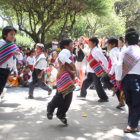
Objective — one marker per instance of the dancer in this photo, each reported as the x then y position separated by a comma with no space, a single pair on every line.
40,65
8,53
65,84
95,70
128,72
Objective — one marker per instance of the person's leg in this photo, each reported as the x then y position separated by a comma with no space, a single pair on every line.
86,83
131,87
81,76
54,103
99,88
32,84
106,81
4,74
64,106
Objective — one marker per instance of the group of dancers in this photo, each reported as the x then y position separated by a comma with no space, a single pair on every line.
120,73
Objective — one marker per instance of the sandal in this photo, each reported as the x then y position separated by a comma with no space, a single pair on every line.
131,130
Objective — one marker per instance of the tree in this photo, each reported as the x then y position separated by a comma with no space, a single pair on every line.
37,17
130,11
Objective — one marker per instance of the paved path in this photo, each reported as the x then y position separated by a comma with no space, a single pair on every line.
23,119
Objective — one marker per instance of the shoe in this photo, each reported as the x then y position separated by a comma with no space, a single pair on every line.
81,97
103,100
49,116
50,91
120,105
30,97
63,120
131,130
77,88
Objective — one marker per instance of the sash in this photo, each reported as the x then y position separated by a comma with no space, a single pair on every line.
38,58
129,61
6,51
96,66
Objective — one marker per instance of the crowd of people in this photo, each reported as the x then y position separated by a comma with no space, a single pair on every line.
108,63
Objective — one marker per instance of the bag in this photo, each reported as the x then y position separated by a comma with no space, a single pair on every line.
80,56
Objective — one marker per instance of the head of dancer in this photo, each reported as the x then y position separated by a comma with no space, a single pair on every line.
131,38
39,47
8,33
112,43
66,44
93,42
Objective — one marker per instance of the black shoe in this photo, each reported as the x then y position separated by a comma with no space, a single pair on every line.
63,120
50,91
30,97
49,116
103,100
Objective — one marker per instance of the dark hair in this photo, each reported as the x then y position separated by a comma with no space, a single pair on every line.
113,40
132,38
121,39
65,42
94,40
51,64
130,30
6,30
27,67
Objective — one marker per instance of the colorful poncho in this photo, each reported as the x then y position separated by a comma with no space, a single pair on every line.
6,51
96,66
129,61
38,58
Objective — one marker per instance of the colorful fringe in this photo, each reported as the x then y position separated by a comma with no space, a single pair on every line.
6,52
96,66
129,61
65,84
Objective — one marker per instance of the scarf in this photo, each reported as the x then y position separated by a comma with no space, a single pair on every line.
129,61
96,66
38,58
6,51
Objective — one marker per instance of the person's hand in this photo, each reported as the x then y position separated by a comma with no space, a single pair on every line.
39,76
110,75
16,53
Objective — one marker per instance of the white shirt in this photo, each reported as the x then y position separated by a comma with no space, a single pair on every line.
136,69
30,60
54,47
64,56
89,69
99,56
54,72
114,56
42,65
10,63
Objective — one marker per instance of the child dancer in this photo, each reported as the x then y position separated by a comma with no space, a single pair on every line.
97,67
113,61
65,84
8,53
40,65
128,72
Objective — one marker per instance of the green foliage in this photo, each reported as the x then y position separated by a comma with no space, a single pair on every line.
24,41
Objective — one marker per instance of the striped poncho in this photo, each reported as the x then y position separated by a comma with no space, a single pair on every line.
96,66
129,61
6,51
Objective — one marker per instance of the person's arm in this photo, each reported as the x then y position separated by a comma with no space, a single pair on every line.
118,70
114,62
18,55
99,54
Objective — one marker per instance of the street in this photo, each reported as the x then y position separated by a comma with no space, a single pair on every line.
24,119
